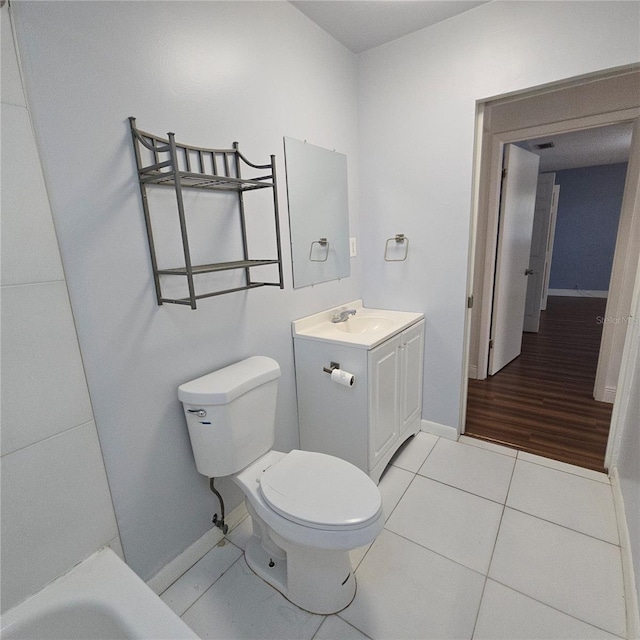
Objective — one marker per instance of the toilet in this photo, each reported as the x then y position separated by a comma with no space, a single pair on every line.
308,509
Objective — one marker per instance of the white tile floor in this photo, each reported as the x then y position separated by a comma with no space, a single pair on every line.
479,542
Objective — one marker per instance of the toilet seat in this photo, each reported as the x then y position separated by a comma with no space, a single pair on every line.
320,491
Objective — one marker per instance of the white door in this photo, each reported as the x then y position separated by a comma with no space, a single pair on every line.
552,234
517,203
538,254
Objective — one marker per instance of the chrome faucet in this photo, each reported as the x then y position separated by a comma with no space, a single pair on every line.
343,315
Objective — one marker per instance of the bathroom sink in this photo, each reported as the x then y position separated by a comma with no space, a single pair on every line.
366,328
364,324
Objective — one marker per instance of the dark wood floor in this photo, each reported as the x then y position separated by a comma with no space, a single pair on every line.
542,402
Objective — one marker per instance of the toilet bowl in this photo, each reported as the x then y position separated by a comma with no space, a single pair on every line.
313,499
295,508
308,509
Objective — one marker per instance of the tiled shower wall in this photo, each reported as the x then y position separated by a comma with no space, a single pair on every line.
56,505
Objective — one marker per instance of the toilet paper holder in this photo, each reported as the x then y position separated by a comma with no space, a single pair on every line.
332,367
343,378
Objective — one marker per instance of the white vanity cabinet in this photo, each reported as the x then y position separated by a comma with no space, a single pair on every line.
367,422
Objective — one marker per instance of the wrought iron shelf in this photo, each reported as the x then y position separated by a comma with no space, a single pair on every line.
219,266
187,301
163,162
204,181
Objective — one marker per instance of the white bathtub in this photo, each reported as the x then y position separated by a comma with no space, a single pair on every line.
101,598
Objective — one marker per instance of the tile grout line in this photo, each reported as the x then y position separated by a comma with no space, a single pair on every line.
553,461
495,544
563,526
555,468
491,449
546,604
452,486
504,508
7,285
521,510
475,622
50,437
353,626
533,515
240,557
395,506
415,473
437,553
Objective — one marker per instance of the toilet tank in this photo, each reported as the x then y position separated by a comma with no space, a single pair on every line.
231,415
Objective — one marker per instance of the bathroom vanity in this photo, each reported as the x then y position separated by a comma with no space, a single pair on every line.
363,423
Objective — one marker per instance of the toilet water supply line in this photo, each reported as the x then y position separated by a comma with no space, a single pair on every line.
218,522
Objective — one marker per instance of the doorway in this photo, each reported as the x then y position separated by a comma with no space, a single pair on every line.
522,117
543,401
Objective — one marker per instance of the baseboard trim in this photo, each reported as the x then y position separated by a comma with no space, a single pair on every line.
609,395
183,562
630,591
578,293
442,430
473,371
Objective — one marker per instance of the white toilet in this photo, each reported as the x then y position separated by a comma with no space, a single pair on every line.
308,509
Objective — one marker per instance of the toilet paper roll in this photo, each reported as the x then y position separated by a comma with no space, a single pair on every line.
342,377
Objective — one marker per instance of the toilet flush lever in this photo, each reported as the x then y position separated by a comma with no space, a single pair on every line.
201,413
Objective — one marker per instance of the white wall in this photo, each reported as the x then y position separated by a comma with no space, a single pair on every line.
417,100
56,506
212,73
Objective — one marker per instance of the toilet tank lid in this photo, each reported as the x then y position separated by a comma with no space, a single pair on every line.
227,384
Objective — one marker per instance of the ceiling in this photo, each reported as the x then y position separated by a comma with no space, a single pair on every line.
587,148
362,24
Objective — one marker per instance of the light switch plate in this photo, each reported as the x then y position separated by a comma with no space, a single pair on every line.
353,251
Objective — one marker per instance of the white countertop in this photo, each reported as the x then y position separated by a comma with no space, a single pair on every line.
368,328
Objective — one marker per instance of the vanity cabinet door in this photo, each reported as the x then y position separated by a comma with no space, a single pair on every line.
384,397
412,349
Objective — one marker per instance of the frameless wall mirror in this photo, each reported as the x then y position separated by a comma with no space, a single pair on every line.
318,212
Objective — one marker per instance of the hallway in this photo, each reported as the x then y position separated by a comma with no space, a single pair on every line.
542,402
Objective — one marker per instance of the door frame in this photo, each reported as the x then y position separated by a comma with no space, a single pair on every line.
488,152
498,143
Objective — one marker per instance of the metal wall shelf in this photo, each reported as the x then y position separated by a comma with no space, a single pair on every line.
163,162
